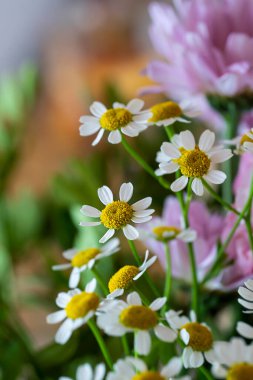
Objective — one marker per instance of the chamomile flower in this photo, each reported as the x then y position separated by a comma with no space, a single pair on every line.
82,259
234,360
243,143
193,161
169,112
125,276
77,308
128,119
136,369
117,318
85,372
196,336
119,214
246,293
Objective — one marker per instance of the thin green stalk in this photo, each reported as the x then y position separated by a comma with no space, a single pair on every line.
206,373
169,131
250,232
100,281
143,164
168,279
225,204
145,275
125,345
101,343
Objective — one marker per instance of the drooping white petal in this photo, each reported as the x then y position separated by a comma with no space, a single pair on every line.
99,372
97,109
64,332
84,372
107,236
135,105
74,278
116,293
142,342
130,232
128,130
206,140
105,195
56,317
114,137
186,356
215,176
188,140
142,204
170,150
165,334
179,184
90,211
211,356
134,299
221,156
197,187
172,368
196,359
99,137
91,286
126,191
158,303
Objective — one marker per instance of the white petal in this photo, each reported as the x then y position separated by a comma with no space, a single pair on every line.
143,213
187,236
62,299
99,372
206,140
69,253
179,184
249,284
64,332
210,356
245,330
219,371
61,266
91,286
56,317
90,211
142,117
107,236
245,293
170,167
135,105
142,342
170,150
116,293
165,334
126,191
185,336
98,109
187,140
196,359
141,219
186,356
114,137
89,224
215,176
221,156
158,303
118,105
197,187
172,368
99,137
105,195
134,299
130,232
74,278
84,372
130,131
142,204
89,129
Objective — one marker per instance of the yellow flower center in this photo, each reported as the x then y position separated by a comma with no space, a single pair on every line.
115,119
201,338
148,375
83,257
166,232
81,304
163,111
240,371
246,138
123,277
138,317
193,163
116,215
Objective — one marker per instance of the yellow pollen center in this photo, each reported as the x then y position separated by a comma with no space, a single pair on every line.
166,232
138,317
81,304
201,338
115,119
148,375
163,111
116,215
246,138
123,277
193,163
83,257
240,371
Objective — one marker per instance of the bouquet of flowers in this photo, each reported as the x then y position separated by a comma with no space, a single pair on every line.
169,328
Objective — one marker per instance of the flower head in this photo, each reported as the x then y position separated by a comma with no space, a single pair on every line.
117,318
85,372
83,259
193,161
119,214
136,369
77,308
125,276
244,143
128,119
233,360
196,336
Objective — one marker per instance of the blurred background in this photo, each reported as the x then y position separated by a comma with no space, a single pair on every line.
56,57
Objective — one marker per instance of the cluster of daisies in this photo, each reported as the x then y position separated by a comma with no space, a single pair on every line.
122,310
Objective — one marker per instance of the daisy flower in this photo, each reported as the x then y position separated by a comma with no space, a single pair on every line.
243,143
196,336
127,119
77,308
125,276
119,214
246,293
169,112
136,369
80,260
193,161
117,318
85,372
234,360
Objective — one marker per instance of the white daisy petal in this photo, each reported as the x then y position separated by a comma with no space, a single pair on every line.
142,204
141,219
134,299
165,334
130,131
99,137
64,332
197,187
89,224
135,105
105,195
74,278
69,253
185,336
170,167
143,213
100,371
61,266
245,330
158,303
130,232
215,176
114,137
91,286
245,293
219,371
186,356
249,284
170,150
142,342
172,368
126,192
179,184
84,372
62,299
206,140
187,235
107,236
142,117
187,140
98,109
118,105
56,317
196,359
90,211
89,129
221,156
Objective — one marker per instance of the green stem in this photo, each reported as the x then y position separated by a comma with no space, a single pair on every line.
169,132
168,279
143,163
101,343
125,345
225,204
145,275
206,373
100,281
250,233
